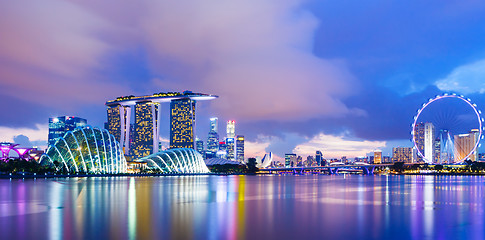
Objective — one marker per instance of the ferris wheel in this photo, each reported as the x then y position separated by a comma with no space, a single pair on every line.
447,129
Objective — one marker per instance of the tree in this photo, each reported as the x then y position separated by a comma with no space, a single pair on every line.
438,167
252,165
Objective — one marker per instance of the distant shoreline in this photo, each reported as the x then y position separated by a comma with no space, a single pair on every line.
31,176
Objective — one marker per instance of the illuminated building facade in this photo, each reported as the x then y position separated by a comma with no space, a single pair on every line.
182,123
119,125
179,160
86,150
464,144
143,138
213,137
60,125
230,149
199,146
290,160
145,135
319,158
402,154
377,157
231,129
240,148
419,139
429,141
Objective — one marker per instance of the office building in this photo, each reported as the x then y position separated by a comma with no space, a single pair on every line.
213,137
182,123
377,157
240,148
230,145
231,129
402,154
290,160
199,146
318,157
464,144
119,125
145,135
59,126
429,142
419,139
143,138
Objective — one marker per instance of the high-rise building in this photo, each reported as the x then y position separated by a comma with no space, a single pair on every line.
377,157
290,160
119,125
213,124
231,129
145,135
402,154
419,139
199,146
429,141
58,126
437,150
240,148
318,157
464,144
142,138
182,123
230,149
213,137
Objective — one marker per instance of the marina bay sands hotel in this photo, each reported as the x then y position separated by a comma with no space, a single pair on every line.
143,138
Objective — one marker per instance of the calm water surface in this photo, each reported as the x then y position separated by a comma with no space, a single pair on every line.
244,207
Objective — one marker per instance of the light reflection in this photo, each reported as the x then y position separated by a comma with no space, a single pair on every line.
245,207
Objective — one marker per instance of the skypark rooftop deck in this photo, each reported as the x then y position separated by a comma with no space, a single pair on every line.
160,97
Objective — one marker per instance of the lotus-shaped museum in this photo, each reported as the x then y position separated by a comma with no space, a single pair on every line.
177,160
88,150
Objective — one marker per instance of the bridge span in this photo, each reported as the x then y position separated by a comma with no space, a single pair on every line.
367,169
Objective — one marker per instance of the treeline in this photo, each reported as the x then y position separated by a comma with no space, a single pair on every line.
19,166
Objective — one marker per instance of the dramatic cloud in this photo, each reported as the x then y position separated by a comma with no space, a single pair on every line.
50,53
465,79
337,146
35,136
257,55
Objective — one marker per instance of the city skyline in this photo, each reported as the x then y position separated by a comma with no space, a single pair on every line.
291,78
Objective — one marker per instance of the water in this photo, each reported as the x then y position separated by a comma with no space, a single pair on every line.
244,207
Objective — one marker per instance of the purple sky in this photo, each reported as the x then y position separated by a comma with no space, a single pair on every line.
343,77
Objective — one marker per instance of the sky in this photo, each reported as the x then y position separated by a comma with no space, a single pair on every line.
342,77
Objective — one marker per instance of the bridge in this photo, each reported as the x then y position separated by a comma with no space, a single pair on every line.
367,169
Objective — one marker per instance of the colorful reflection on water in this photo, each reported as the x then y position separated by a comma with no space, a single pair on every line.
244,207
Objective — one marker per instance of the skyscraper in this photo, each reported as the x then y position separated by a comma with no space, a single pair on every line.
199,146
145,140
429,142
402,154
419,139
213,124
142,137
290,160
213,137
240,148
231,129
230,149
377,157
318,157
464,144
119,125
182,123
60,125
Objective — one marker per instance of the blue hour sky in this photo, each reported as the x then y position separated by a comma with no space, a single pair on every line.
343,77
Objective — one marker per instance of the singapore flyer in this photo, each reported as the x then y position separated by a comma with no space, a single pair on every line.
447,130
